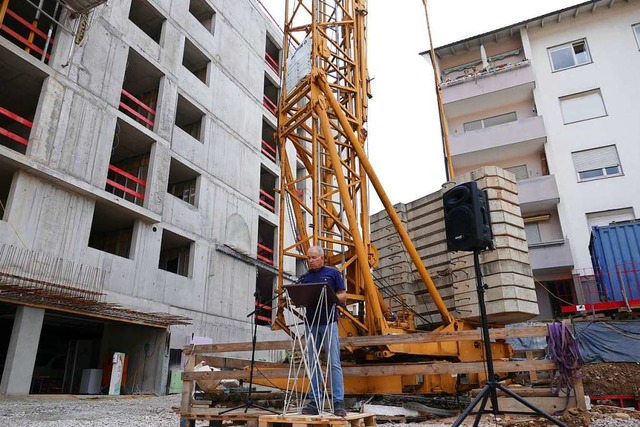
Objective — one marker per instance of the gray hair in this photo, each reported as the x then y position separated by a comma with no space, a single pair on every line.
316,249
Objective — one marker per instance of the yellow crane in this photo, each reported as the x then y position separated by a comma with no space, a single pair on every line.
325,174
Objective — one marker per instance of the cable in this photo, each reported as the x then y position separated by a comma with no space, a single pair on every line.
551,293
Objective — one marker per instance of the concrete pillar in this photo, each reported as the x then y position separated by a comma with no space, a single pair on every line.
21,356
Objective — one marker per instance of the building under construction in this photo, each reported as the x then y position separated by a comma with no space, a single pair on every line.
137,176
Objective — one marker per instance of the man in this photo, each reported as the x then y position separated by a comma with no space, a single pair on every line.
319,324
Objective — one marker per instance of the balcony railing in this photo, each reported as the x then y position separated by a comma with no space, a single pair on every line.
17,119
265,254
269,150
268,201
133,111
127,180
269,105
273,64
17,24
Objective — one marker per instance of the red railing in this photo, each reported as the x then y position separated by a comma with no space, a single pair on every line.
269,104
18,119
33,31
269,150
263,313
267,200
136,115
138,196
272,62
265,254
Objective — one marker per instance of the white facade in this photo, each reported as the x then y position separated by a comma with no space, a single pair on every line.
555,105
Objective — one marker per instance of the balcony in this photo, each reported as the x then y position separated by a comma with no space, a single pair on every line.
487,89
550,257
538,194
496,143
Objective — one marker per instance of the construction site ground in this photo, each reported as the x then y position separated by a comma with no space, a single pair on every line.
85,411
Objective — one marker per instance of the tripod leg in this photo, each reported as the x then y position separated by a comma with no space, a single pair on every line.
472,405
531,406
481,410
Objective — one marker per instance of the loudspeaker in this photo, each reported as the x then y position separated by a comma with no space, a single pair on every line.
467,219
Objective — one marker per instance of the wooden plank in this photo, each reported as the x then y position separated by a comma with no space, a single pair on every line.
187,387
437,368
366,341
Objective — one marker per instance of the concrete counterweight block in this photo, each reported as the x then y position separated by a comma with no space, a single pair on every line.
510,296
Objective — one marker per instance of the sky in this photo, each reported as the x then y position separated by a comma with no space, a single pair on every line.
404,142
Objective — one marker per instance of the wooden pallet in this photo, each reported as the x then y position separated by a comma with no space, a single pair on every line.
293,420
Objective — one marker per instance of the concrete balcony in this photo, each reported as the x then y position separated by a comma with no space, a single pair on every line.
538,194
488,89
550,257
496,143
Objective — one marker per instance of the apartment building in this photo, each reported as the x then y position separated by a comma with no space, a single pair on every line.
137,184
553,100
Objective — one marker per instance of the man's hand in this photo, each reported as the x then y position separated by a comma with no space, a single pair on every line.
342,297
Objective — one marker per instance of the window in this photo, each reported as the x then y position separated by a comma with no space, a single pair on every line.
597,163
569,55
532,230
519,171
175,253
183,182
607,217
147,18
112,231
490,121
582,106
636,31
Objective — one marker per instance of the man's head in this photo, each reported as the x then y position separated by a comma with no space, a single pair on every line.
315,257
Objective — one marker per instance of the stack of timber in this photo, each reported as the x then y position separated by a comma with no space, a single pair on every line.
506,270
361,379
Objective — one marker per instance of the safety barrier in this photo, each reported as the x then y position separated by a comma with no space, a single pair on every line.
138,197
269,150
148,119
273,64
18,119
269,105
265,254
18,25
268,201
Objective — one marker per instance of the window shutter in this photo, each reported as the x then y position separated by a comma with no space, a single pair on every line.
519,171
596,158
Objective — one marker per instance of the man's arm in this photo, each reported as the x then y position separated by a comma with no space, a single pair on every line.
342,297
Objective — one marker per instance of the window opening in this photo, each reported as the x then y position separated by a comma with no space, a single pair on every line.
111,231
183,182
569,55
582,106
175,253
204,13
490,121
597,163
189,118
147,18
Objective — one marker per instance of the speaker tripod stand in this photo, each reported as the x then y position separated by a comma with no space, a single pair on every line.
490,390
249,402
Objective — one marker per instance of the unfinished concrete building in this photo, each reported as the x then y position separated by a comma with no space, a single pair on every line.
137,184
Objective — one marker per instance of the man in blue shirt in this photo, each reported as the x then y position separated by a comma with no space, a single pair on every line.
320,324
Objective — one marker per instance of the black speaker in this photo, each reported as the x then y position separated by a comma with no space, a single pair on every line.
467,219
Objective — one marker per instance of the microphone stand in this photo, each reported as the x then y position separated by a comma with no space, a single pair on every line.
249,402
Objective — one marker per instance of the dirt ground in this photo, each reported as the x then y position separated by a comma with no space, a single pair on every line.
611,379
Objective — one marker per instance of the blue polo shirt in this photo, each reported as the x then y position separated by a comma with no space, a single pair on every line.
330,276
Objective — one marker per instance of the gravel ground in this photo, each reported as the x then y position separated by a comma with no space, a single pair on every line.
91,411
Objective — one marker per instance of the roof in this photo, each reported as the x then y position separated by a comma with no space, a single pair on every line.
508,31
